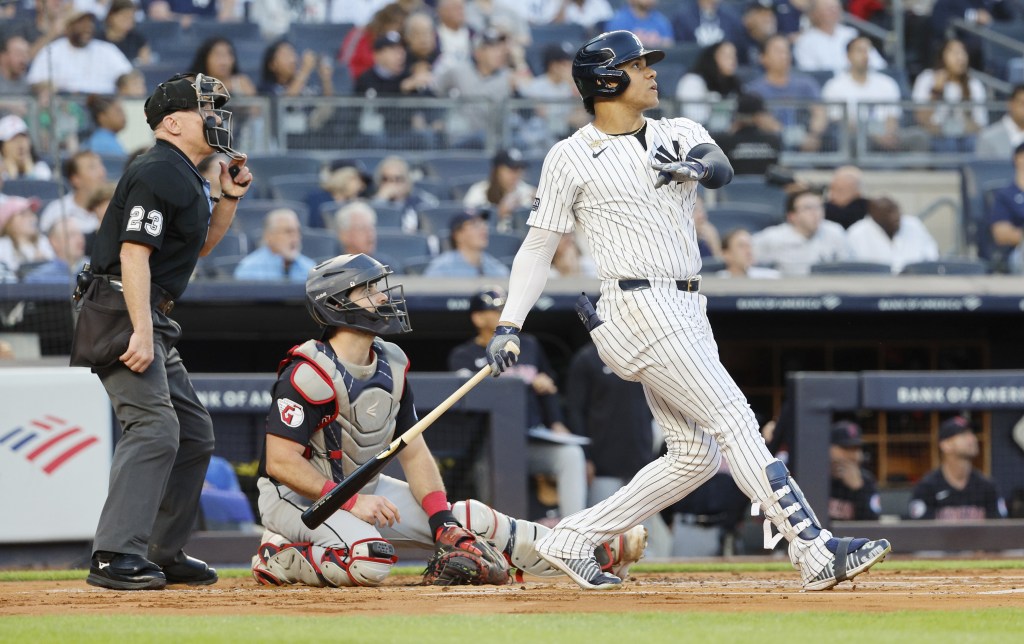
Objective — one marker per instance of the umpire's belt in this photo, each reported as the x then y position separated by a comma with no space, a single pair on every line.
160,298
691,285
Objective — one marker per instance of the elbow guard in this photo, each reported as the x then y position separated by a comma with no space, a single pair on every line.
720,170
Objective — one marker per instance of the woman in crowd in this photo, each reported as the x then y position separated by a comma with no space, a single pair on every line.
284,74
955,123
504,191
216,57
20,240
706,92
18,158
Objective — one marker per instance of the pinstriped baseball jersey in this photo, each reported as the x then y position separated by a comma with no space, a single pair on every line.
605,185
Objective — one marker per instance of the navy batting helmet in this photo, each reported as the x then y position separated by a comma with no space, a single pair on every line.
327,289
594,66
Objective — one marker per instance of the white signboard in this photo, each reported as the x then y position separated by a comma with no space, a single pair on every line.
55,449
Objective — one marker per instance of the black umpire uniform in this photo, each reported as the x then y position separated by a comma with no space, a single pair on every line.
161,208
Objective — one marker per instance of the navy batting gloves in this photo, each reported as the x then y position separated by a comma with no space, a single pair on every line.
499,355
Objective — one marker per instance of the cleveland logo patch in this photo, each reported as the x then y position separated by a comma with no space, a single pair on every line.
291,412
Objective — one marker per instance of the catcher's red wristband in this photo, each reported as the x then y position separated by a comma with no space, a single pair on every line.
435,502
330,485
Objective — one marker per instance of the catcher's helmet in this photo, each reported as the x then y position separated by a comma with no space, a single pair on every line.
595,62
329,284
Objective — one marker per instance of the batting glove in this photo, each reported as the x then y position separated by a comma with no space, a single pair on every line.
498,354
690,170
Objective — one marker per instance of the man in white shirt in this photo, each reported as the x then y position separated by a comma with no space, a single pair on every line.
453,37
79,63
822,46
85,173
886,236
356,12
804,239
999,140
860,84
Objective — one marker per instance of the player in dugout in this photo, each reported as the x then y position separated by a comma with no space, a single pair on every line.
339,401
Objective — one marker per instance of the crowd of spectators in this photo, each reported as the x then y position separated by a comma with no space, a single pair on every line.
735,67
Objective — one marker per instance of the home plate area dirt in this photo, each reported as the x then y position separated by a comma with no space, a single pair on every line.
880,590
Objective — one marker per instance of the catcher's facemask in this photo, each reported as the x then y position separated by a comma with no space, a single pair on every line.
200,92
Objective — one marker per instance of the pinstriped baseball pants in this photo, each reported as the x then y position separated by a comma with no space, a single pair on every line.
661,337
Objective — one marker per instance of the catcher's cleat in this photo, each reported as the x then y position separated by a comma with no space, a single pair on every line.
585,572
851,557
616,556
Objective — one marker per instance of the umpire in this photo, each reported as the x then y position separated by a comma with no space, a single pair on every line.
159,222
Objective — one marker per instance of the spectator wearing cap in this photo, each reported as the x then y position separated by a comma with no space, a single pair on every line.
560,455
395,188
119,29
707,22
706,90
504,191
68,244
822,46
998,141
20,240
468,256
108,115
1006,216
854,493
280,256
78,62
14,60
650,25
886,236
85,173
803,128
487,77
568,115
956,491
755,143
18,158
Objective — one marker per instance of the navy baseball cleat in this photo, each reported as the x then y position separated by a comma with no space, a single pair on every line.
851,557
189,570
585,572
118,571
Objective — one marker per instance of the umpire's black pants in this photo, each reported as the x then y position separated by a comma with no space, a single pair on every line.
161,458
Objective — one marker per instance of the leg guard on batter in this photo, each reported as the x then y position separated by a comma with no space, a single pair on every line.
516,539
279,562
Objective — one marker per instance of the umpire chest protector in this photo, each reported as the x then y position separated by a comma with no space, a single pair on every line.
365,409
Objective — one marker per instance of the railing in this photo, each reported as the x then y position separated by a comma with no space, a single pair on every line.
424,128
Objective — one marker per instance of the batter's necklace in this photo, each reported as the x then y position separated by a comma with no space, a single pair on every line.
596,143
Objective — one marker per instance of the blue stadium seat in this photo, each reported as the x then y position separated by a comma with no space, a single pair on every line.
840,268
236,32
323,38
711,265
462,165
271,165
751,217
157,73
504,246
947,267
436,219
320,244
158,33
44,190
403,245
752,189
292,186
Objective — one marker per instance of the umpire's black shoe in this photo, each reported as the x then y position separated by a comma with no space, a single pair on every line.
189,570
118,571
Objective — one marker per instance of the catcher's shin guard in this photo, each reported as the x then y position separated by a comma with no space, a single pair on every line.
279,562
515,538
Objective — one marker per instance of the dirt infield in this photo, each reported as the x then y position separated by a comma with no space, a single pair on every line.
881,590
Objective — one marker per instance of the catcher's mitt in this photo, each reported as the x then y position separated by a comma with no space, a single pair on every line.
463,558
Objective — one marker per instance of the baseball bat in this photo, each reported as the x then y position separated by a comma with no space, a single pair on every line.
329,503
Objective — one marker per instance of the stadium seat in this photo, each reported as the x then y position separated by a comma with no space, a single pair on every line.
839,268
156,73
504,246
402,245
711,265
749,216
977,176
271,165
320,244
157,32
685,54
436,219
236,32
218,268
464,165
114,165
569,32
292,186
947,267
44,190
439,187
323,38
461,185
752,189
669,74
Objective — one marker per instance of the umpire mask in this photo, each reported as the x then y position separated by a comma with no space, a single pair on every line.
200,92
330,282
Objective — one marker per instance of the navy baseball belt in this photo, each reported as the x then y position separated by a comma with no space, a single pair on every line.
691,285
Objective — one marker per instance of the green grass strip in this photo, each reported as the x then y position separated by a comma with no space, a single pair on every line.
893,565
902,627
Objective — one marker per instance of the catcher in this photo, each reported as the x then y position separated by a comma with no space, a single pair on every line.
337,403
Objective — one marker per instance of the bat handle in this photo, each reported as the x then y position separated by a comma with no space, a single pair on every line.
512,347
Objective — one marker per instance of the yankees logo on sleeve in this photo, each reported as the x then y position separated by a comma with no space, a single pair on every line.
606,186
